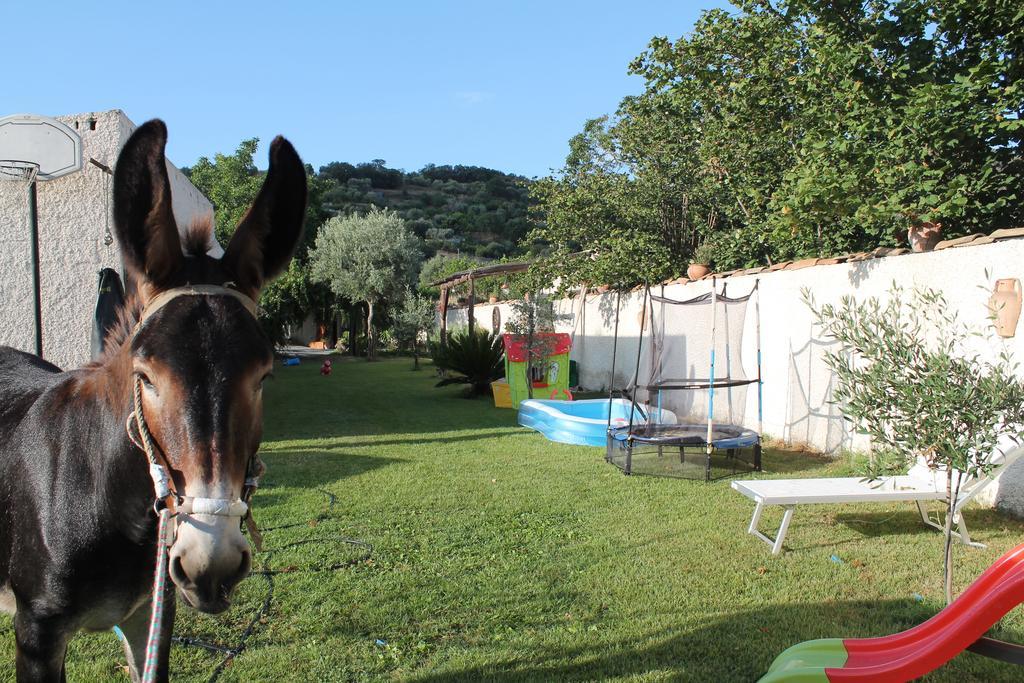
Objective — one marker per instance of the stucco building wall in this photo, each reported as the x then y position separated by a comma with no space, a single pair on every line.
74,214
797,383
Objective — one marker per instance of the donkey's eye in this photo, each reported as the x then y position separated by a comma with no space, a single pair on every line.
147,383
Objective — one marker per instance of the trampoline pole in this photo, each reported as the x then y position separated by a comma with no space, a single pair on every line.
660,360
711,373
757,332
611,379
639,350
728,356
760,398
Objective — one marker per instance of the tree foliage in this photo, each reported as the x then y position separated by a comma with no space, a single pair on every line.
441,265
372,258
908,375
416,317
474,358
792,129
230,182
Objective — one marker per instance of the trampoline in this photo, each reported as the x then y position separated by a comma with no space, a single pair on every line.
689,360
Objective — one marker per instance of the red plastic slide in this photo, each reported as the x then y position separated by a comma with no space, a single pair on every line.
912,653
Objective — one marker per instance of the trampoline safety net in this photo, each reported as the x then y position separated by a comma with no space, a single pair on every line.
691,362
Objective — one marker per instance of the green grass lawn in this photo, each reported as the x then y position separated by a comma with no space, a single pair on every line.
500,556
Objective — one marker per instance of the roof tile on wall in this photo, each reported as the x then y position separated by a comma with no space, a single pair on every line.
802,263
1007,233
880,252
958,242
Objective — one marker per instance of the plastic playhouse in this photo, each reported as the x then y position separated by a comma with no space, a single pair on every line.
550,369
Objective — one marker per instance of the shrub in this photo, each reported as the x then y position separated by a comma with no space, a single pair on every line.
473,358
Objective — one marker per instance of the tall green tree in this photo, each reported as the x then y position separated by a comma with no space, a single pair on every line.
797,128
372,258
230,182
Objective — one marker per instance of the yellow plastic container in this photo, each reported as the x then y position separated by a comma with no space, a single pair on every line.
502,394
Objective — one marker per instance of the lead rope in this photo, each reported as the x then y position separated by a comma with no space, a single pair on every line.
162,491
156,618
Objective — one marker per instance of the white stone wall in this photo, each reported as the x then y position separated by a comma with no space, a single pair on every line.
74,212
797,383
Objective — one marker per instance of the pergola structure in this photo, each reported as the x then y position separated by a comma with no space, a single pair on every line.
471,276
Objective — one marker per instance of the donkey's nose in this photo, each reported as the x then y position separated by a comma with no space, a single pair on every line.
206,579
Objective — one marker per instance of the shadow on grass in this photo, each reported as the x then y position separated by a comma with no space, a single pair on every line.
908,522
445,413
775,461
733,647
310,468
412,439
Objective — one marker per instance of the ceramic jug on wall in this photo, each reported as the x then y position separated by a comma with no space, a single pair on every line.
1005,306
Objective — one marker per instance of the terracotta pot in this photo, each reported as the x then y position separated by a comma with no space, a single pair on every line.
924,236
1004,305
697,270
492,299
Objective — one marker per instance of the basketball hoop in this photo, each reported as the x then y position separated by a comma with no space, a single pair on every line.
18,171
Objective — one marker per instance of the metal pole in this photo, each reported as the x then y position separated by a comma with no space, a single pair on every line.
472,305
661,351
711,373
611,378
444,316
728,354
757,323
639,350
760,400
33,219
615,349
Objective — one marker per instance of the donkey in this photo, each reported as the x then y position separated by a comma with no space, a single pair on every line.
78,521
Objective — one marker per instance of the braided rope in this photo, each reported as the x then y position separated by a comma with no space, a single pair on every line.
156,617
161,490
140,421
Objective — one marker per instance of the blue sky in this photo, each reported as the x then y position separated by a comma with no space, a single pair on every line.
503,85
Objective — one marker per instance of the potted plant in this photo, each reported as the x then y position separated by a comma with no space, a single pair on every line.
492,298
700,264
923,235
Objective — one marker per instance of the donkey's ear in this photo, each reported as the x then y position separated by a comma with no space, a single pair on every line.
267,236
143,218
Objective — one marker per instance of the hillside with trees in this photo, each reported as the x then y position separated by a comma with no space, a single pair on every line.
456,217
468,209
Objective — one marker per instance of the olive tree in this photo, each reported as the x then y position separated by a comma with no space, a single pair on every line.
909,374
416,316
372,258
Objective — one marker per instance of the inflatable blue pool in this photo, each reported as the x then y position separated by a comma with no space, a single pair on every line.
583,423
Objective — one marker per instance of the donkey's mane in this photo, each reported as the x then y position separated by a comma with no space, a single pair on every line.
121,331
195,243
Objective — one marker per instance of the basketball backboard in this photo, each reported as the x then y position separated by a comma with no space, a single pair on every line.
54,147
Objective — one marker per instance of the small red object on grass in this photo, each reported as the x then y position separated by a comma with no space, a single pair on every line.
325,369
